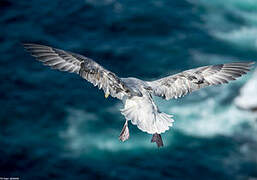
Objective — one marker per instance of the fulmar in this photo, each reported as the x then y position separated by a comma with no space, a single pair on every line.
135,93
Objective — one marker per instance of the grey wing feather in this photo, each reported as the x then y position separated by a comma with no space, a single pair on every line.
85,67
188,81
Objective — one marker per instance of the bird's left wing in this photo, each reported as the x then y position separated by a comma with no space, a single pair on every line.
85,67
188,81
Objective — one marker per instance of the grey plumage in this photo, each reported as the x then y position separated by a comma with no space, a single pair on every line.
180,84
136,94
85,67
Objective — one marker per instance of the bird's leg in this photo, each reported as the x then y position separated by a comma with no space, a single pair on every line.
124,134
158,139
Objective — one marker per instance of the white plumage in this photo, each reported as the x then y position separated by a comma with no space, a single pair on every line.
145,114
136,94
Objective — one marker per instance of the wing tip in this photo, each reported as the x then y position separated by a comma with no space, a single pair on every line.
248,63
243,63
244,66
29,46
251,64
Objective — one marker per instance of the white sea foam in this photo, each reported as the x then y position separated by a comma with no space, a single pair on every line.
207,119
248,94
243,35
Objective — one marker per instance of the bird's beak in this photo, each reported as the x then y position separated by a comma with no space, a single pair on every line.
106,95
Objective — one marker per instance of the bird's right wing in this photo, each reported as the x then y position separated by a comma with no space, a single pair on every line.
188,81
85,67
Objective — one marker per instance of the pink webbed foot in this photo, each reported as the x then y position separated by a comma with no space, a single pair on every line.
124,135
157,138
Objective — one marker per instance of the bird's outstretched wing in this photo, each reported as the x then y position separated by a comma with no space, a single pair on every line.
188,81
85,67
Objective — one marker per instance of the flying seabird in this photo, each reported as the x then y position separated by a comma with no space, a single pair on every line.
136,94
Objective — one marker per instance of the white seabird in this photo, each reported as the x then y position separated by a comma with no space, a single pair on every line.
136,94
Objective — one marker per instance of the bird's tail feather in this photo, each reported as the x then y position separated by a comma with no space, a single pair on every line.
144,113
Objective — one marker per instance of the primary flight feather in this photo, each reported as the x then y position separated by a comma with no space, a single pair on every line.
136,94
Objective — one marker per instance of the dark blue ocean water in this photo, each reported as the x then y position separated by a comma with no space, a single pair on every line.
55,125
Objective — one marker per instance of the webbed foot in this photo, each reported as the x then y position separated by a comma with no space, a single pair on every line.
124,135
157,138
